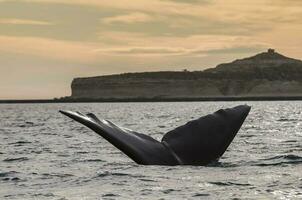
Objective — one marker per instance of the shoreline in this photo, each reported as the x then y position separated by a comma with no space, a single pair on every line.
115,100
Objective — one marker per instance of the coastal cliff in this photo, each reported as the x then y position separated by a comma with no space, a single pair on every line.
265,74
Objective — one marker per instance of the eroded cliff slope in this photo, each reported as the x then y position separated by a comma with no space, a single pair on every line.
265,74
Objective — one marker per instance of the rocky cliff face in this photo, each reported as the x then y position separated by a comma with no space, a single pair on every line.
265,74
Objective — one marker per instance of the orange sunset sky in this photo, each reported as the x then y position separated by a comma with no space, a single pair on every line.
44,44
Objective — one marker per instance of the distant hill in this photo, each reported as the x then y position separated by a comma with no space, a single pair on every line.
265,74
268,65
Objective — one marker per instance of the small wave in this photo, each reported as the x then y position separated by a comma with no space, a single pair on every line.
93,160
167,191
200,195
63,155
146,180
103,174
246,136
163,116
286,120
110,195
287,157
5,174
74,147
229,184
29,124
253,143
129,124
82,152
57,175
20,143
44,195
290,141
9,176
11,179
106,173
68,136
221,164
278,163
15,159
280,160
119,183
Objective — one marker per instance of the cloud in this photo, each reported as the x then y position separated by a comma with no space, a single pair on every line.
166,51
49,48
232,50
229,9
191,1
153,18
286,3
198,45
181,44
69,22
143,51
93,37
15,21
137,45
210,9
135,17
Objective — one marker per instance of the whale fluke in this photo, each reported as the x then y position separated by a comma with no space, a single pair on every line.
198,142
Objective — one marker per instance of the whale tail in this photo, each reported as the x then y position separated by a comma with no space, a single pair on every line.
198,142
204,140
141,148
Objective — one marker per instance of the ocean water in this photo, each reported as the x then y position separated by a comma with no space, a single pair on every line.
45,155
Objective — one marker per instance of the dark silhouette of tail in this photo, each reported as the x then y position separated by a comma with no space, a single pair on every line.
198,142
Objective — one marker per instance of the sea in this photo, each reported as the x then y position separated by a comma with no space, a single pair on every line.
45,155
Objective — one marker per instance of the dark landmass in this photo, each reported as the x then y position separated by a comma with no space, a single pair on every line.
267,75
69,100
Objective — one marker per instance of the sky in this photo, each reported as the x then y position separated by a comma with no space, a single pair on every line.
44,44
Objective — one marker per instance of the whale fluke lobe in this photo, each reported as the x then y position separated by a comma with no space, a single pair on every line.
198,142
205,139
141,148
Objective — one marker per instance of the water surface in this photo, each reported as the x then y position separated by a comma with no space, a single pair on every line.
45,155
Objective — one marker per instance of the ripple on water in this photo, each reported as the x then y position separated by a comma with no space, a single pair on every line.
280,160
110,195
20,159
19,143
290,141
201,195
35,140
287,120
286,157
9,176
119,174
5,174
28,124
57,175
168,191
146,180
228,183
93,160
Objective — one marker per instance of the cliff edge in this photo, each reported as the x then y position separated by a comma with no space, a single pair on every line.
265,74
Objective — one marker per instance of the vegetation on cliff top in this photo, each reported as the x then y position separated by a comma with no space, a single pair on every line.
268,65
